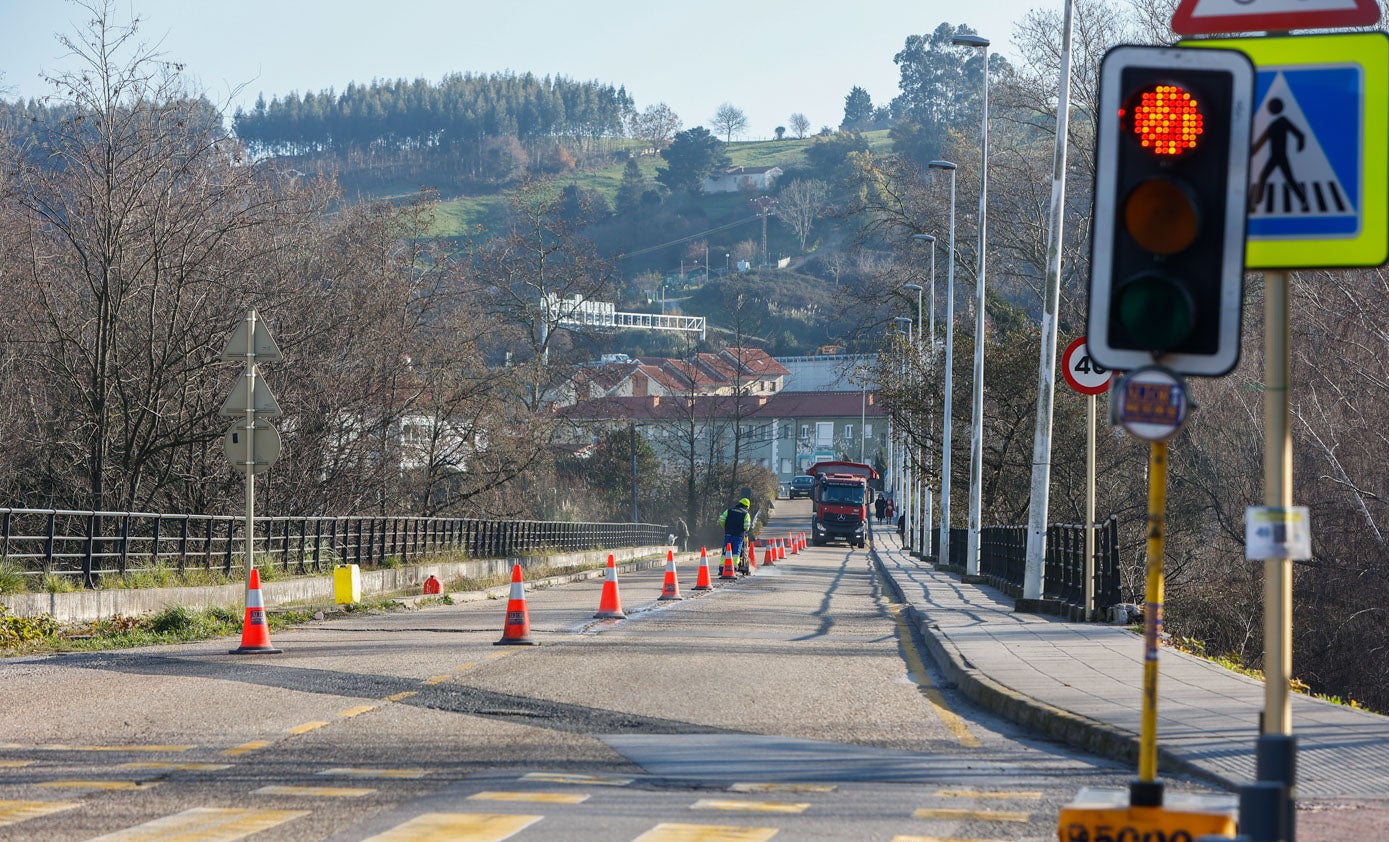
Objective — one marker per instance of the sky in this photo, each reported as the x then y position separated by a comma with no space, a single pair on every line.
769,58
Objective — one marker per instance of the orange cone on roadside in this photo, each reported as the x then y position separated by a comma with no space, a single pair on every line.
255,634
767,554
610,603
702,582
432,585
780,550
670,588
517,630
726,570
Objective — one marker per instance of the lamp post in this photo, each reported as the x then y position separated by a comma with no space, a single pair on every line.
949,369
931,319
914,513
904,483
976,452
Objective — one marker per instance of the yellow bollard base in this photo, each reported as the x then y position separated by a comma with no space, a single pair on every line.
347,584
1104,815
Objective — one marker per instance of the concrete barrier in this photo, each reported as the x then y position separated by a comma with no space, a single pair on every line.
85,606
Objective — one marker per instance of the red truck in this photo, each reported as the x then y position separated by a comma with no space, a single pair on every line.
840,496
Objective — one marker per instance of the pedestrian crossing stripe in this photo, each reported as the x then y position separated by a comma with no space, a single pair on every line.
749,806
314,791
1319,196
672,832
14,812
538,797
204,824
457,827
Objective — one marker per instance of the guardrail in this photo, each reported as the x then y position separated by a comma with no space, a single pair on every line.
90,545
1003,561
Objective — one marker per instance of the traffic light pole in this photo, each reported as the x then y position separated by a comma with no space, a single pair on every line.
1147,791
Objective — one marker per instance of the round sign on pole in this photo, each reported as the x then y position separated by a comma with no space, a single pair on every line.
266,444
1151,403
1082,373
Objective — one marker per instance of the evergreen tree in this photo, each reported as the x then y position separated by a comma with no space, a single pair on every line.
693,155
629,191
858,109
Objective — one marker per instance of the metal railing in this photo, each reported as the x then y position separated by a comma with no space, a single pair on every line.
1003,560
90,545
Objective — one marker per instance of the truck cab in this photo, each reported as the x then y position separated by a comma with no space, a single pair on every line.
840,495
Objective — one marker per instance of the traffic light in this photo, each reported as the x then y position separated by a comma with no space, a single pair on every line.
1171,188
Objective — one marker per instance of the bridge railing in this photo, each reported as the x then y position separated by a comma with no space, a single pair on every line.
87,546
1003,561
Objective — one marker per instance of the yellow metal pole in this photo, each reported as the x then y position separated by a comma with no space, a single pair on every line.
1278,493
1152,609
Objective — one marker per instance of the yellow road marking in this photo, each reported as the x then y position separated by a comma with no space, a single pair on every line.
15,764
782,788
357,711
306,727
320,791
582,780
204,824
246,748
457,827
542,797
956,814
398,696
63,747
14,812
749,806
668,832
952,722
107,785
438,679
376,773
179,767
495,655
974,793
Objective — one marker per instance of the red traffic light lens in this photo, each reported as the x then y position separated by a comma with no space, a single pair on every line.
1165,119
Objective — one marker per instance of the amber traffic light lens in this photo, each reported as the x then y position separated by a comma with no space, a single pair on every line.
1165,119
1160,216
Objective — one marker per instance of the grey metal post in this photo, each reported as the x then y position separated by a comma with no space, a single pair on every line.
949,369
1039,501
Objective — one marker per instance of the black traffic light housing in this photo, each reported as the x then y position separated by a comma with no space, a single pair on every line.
1171,185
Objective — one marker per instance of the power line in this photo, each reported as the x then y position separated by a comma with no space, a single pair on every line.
694,236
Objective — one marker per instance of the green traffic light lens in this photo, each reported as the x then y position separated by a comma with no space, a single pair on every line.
1157,312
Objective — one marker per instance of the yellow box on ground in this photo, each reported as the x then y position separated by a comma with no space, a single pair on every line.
347,584
1099,815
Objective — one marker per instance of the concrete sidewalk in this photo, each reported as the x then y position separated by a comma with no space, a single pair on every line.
1082,682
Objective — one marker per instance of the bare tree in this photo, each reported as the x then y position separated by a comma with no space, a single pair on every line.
802,202
799,124
656,125
729,120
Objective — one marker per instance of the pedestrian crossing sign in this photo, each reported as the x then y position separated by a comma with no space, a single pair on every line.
1319,153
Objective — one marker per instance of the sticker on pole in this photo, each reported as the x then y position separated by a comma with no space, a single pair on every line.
1150,403
1272,533
1081,371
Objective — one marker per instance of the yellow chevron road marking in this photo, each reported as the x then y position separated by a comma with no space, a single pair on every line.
668,832
204,824
457,827
542,797
749,806
14,812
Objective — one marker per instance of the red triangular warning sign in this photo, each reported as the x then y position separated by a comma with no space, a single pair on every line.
1208,17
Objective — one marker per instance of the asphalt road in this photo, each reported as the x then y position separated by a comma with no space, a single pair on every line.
792,704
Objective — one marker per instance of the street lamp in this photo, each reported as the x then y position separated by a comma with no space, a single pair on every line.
904,471
931,241
976,453
949,369
914,483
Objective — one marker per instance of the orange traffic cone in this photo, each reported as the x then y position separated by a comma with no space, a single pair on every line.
795,544
610,603
702,582
432,585
517,630
726,570
780,549
670,588
255,634
767,557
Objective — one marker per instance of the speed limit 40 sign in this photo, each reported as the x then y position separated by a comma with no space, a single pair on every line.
1081,371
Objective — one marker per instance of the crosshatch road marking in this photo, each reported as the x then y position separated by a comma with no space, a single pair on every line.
457,827
755,787
14,812
316,791
107,785
396,697
542,797
954,814
581,780
668,832
246,748
952,722
376,773
204,824
176,767
749,806
357,711
974,793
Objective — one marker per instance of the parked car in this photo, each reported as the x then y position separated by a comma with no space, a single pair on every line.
802,486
